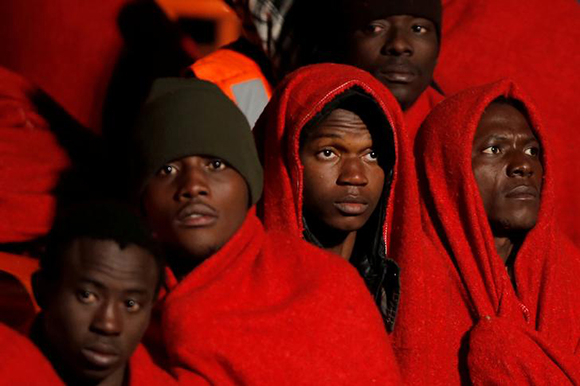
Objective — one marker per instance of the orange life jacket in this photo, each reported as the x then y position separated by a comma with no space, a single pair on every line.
239,77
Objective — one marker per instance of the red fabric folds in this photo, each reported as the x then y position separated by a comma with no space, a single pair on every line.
31,163
494,333
22,363
272,309
416,114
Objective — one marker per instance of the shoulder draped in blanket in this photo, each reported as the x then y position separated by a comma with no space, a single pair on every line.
482,327
22,363
270,309
299,99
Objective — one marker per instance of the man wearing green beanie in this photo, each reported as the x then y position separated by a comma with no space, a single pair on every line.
242,306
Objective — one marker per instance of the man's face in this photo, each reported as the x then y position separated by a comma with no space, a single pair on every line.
196,204
343,180
507,167
401,51
98,310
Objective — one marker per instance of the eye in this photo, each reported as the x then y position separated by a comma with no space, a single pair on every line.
372,156
373,29
532,151
217,164
491,150
326,154
419,29
86,297
132,305
166,170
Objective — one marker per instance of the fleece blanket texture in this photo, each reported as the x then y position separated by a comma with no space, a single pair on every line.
532,42
22,363
475,325
269,308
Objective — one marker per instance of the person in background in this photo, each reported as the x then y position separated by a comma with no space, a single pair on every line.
398,42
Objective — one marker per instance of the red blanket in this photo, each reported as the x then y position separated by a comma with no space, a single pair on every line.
270,309
416,114
22,363
477,324
535,43
31,163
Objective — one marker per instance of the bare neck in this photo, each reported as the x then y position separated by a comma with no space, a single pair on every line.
344,248
504,247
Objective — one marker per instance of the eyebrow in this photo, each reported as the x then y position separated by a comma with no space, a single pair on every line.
325,135
92,281
138,291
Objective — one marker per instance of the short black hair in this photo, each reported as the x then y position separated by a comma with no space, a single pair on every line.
98,220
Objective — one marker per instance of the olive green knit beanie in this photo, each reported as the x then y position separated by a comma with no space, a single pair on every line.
186,117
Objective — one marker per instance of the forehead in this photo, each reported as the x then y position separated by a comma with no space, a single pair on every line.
106,262
503,119
337,123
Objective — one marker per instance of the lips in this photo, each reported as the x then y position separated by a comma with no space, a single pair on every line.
523,192
197,215
351,205
398,72
101,355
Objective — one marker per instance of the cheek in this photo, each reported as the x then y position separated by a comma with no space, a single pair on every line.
137,325
364,51
232,197
427,54
318,183
376,182
486,179
156,204
67,320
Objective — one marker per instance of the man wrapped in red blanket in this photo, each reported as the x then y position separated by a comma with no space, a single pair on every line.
508,311
336,160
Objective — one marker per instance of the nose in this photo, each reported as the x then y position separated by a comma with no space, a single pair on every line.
397,43
107,319
353,172
519,165
192,183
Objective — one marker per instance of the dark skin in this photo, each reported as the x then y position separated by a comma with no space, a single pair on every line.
508,170
401,51
195,205
96,311
343,180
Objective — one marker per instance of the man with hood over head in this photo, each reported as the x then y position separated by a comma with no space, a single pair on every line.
337,166
243,306
499,288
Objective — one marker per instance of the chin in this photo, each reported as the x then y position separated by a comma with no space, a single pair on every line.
351,224
518,224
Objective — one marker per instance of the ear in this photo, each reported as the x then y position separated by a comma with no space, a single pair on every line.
39,288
